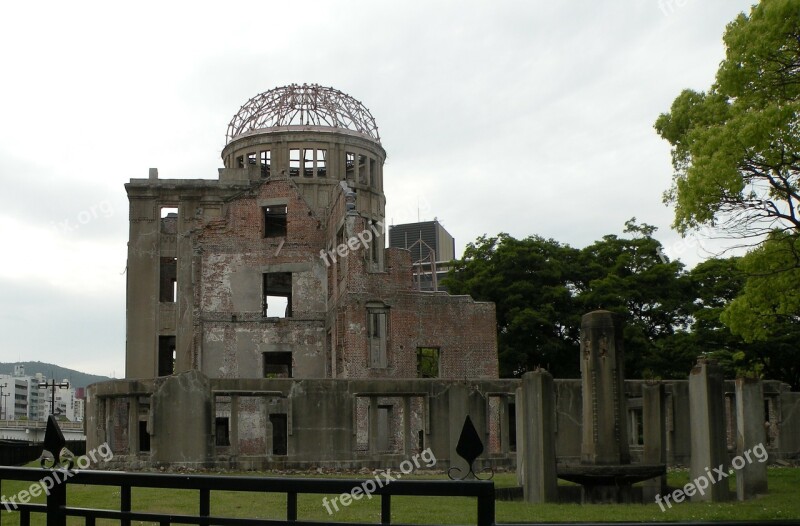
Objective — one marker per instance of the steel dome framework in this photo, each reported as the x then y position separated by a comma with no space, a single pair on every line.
306,105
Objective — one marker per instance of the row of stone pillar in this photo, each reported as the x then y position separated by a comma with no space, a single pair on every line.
536,452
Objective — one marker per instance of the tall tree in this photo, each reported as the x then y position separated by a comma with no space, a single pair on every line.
542,288
532,282
631,276
736,147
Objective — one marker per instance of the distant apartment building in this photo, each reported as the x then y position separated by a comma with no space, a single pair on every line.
24,397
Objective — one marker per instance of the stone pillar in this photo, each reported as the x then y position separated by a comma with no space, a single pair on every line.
540,482
605,421
182,420
409,444
707,413
458,409
505,443
374,429
654,413
751,437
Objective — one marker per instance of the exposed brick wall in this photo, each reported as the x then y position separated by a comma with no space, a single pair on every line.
463,330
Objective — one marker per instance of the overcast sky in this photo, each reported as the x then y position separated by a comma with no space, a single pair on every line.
526,117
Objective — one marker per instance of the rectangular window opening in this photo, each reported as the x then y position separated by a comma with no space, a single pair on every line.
169,220
322,163
169,280
363,175
166,355
144,437
266,163
294,162
223,431
373,174
277,364
240,161
275,221
277,295
427,362
350,166
280,433
251,158
308,162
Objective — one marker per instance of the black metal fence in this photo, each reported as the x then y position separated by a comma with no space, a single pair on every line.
58,509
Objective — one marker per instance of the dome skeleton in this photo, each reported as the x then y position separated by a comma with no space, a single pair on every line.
306,105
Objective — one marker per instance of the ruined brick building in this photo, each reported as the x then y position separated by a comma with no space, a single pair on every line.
277,269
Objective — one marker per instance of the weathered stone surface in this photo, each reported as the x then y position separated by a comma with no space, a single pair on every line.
707,409
751,474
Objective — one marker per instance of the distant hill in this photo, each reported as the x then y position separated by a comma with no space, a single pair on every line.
50,370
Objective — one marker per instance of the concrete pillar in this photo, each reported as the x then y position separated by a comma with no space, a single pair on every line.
654,412
605,418
707,412
181,420
233,425
373,425
458,404
408,441
751,473
133,425
504,426
540,481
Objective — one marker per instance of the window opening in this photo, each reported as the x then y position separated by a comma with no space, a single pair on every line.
275,221
144,437
223,431
308,162
322,163
166,355
363,176
294,162
427,362
277,365
169,220
169,280
280,433
350,166
277,295
266,163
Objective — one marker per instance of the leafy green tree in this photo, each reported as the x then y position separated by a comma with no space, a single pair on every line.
532,282
542,288
736,147
631,276
767,312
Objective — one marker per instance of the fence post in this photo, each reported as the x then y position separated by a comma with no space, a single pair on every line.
56,502
486,507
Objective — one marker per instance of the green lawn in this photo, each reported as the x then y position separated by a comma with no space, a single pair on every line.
781,503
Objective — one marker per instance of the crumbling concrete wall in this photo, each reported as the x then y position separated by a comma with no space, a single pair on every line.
235,255
338,423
